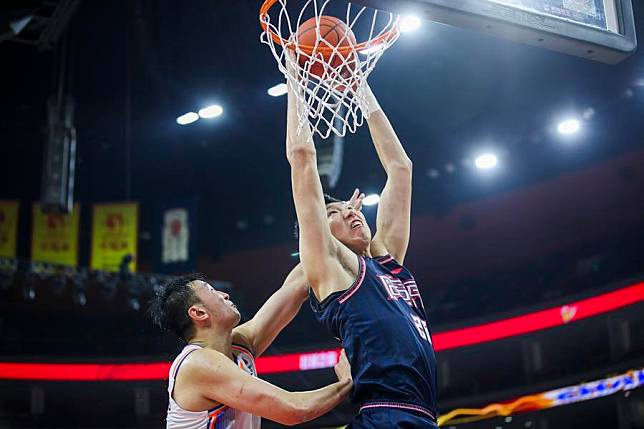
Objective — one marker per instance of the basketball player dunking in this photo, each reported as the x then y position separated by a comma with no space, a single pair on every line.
213,383
362,292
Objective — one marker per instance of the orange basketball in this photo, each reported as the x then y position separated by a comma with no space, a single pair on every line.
333,33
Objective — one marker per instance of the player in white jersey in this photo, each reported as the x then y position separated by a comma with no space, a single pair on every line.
213,381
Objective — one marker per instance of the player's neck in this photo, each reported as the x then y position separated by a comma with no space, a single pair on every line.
362,252
220,341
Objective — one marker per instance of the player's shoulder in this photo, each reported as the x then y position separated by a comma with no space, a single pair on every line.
202,363
242,338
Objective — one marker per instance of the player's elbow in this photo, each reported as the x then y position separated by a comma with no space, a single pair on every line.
294,413
301,154
302,413
402,166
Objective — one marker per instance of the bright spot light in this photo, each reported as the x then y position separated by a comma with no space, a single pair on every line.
570,126
371,200
211,111
188,118
409,23
278,90
486,161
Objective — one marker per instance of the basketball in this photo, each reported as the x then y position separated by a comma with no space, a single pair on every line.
333,33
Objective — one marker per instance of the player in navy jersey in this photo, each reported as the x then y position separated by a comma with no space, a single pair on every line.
360,289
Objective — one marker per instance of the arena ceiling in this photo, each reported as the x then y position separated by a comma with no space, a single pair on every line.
449,93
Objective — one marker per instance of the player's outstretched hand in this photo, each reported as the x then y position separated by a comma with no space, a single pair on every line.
342,368
356,199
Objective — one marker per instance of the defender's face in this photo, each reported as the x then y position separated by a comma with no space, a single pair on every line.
349,226
221,310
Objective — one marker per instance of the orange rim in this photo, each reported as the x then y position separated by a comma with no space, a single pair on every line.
384,37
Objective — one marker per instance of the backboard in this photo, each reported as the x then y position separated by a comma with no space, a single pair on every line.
601,30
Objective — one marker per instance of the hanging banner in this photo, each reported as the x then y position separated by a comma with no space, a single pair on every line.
114,235
54,237
176,236
177,226
8,228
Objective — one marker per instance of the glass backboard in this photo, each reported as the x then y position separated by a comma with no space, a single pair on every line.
601,30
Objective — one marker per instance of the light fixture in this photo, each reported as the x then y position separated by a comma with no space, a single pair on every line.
277,90
486,161
409,23
569,126
187,118
19,24
211,111
371,200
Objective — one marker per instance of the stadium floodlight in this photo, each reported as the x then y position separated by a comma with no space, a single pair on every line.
371,200
187,118
410,23
211,111
277,90
486,161
569,126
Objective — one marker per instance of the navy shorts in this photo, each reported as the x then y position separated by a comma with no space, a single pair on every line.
385,417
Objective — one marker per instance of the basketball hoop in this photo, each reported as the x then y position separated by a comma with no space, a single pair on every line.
329,73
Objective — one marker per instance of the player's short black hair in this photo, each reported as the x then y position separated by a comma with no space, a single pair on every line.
328,199
169,307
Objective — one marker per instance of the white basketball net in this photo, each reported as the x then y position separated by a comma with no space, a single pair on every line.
333,100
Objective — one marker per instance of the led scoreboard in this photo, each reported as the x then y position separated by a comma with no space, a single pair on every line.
601,30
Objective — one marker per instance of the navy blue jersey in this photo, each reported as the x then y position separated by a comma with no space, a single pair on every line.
382,325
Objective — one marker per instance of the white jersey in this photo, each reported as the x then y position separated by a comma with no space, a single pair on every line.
220,417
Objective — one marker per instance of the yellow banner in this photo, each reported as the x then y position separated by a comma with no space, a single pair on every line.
54,237
8,228
114,235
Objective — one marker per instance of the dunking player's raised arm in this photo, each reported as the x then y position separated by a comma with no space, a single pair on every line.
318,248
394,209
277,312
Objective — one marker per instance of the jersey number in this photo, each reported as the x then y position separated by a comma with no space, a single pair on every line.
421,326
